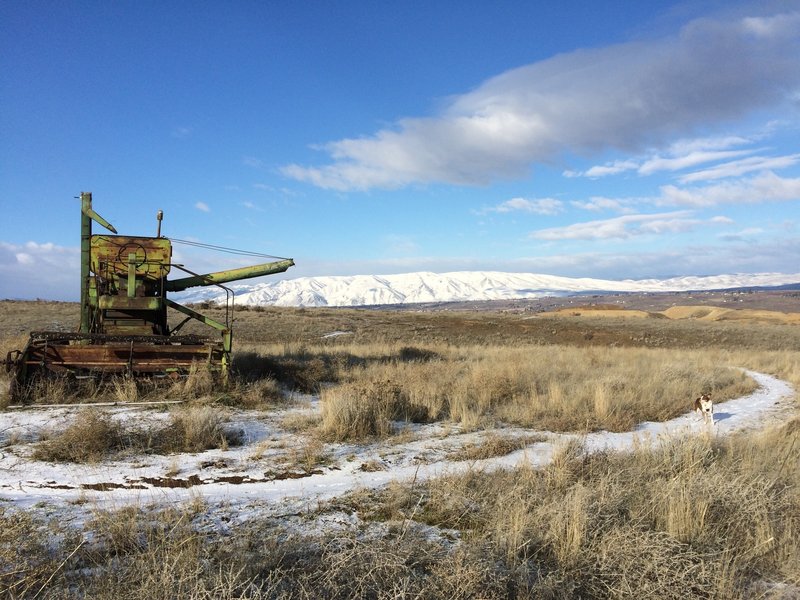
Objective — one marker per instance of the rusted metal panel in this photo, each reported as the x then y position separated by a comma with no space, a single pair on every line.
110,254
125,303
134,358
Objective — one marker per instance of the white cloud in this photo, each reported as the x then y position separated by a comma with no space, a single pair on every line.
628,96
252,206
686,161
539,206
765,187
202,206
722,220
741,167
618,166
599,203
39,270
707,144
622,227
743,235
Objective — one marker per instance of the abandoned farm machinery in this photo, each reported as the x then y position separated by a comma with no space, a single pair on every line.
123,313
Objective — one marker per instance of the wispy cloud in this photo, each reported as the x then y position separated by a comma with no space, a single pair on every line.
682,155
740,167
252,206
639,95
740,236
687,161
181,132
202,206
610,168
765,187
539,206
252,161
622,227
599,203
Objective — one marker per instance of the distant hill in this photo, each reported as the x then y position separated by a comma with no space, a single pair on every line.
408,288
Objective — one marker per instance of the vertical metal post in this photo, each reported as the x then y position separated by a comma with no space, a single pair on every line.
86,251
131,275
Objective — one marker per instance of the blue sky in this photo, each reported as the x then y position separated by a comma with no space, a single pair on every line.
600,139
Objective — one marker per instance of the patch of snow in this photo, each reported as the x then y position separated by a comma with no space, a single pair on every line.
25,483
333,334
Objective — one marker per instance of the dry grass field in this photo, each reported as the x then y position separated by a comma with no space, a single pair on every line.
708,517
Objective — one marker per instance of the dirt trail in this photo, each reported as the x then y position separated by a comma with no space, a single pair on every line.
237,476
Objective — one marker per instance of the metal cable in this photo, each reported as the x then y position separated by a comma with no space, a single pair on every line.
225,249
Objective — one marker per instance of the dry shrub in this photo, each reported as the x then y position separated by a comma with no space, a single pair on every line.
361,411
308,455
251,366
627,562
259,393
296,368
492,445
198,382
124,389
416,354
159,556
784,364
48,389
606,525
694,518
553,388
5,394
298,422
94,436
27,557
91,437
195,429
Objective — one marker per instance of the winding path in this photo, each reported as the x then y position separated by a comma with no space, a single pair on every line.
24,482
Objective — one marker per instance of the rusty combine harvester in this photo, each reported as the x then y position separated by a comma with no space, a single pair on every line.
123,327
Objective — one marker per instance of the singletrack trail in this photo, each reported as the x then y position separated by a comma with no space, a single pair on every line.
251,474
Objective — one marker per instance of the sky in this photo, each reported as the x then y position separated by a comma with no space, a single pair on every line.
614,139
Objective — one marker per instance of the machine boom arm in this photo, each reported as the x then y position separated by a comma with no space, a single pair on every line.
178,285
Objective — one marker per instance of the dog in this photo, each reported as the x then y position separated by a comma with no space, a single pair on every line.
705,407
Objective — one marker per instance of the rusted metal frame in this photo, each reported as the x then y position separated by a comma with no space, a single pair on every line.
87,216
227,333
181,324
193,314
103,338
125,357
229,295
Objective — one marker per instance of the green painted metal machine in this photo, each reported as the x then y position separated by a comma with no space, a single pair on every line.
124,306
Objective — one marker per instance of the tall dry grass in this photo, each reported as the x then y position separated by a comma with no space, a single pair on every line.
696,518
94,435
557,388
700,518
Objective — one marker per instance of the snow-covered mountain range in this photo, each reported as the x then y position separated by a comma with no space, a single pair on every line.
364,290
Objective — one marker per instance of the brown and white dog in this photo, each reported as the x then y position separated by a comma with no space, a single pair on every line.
705,407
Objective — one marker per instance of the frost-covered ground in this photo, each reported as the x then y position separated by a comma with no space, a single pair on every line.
276,472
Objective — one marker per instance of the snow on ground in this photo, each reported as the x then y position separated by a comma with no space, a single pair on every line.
266,473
